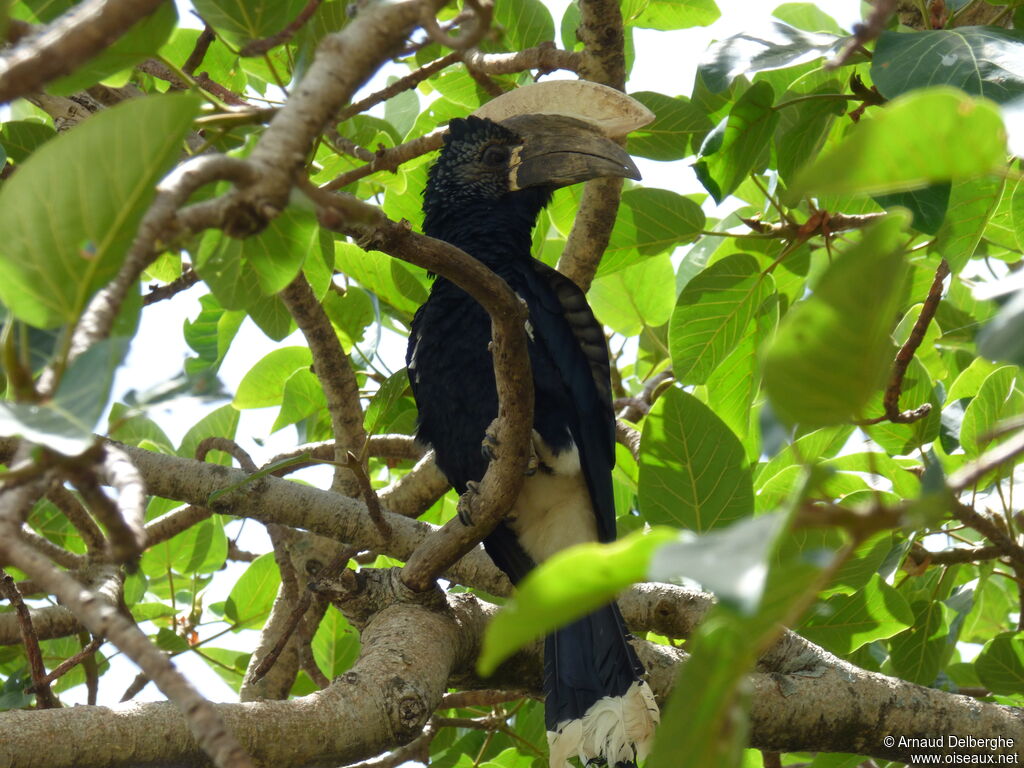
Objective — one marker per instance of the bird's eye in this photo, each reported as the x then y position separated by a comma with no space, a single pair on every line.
496,155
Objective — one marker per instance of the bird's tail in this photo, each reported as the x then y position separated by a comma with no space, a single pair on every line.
598,706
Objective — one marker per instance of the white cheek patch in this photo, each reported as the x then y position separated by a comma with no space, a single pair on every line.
513,165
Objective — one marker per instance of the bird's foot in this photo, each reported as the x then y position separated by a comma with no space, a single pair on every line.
490,443
464,509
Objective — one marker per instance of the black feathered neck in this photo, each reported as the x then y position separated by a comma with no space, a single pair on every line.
467,201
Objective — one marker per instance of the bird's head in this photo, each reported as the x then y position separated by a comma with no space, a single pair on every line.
518,162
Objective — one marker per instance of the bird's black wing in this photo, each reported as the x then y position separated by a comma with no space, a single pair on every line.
564,329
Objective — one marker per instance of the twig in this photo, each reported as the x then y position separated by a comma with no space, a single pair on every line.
483,10
906,354
416,491
369,495
40,685
206,37
122,475
955,555
389,159
170,525
336,377
983,525
126,536
260,47
865,33
416,751
654,386
995,457
826,225
62,46
135,687
77,515
68,664
480,698
228,446
57,554
545,58
629,437
406,83
157,293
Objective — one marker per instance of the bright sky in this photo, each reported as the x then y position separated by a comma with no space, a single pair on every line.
665,62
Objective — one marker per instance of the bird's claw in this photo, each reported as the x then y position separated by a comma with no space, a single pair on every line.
464,509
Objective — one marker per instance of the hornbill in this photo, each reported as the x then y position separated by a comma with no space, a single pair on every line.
483,195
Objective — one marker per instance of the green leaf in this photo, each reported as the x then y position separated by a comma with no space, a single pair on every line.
67,224
639,295
917,653
971,201
977,60
389,279
219,423
804,127
807,16
650,221
142,40
262,386
999,397
384,400
571,584
277,253
251,598
893,150
734,147
833,350
242,20
20,138
928,206
335,645
678,128
670,14
844,623
693,471
66,423
712,315
1003,337
302,397
210,335
230,665
1000,665
774,47
526,23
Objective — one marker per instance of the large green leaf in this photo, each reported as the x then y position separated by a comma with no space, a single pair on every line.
572,583
776,46
219,423
712,315
734,147
1000,397
262,386
918,652
982,61
833,350
243,20
650,221
253,594
669,14
844,623
639,295
67,224
894,149
335,645
1000,664
971,201
20,138
678,128
693,471
526,23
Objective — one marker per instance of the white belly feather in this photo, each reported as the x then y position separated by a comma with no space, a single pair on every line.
553,509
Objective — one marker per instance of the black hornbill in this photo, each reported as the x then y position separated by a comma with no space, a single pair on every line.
483,195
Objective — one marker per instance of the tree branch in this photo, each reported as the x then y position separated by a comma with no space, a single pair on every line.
61,47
